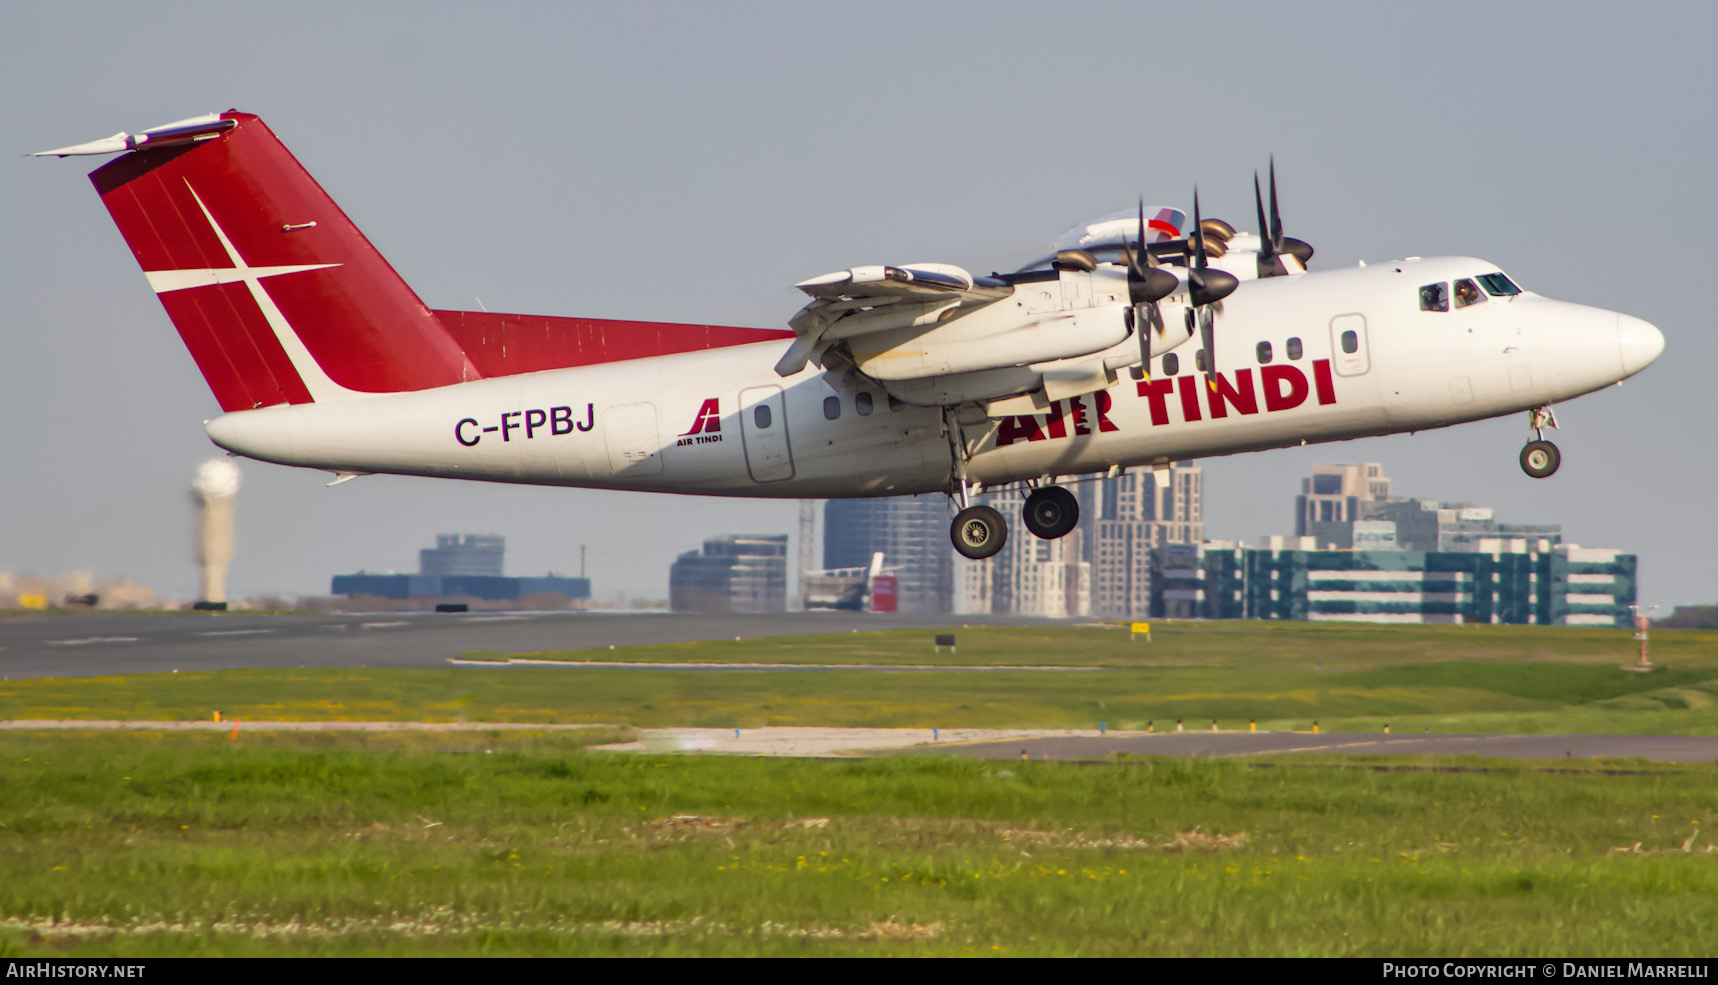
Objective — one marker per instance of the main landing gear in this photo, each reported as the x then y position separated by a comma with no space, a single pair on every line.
1540,458
1051,512
979,532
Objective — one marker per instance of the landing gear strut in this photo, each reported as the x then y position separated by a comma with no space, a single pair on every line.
1540,458
978,532
1051,512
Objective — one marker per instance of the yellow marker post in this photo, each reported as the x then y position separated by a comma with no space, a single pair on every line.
1253,726
1141,627
32,601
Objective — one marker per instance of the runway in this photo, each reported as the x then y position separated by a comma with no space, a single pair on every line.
104,644
1656,748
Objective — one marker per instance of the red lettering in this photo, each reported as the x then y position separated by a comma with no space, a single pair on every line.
1285,387
1018,429
1157,391
1190,398
1053,420
1241,394
1080,425
1104,402
1322,382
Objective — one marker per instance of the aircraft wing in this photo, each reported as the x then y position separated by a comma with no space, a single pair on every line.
878,298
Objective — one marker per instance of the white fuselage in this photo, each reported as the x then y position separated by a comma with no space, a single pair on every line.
721,422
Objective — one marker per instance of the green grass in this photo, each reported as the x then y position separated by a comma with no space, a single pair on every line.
1282,675
1180,644
154,844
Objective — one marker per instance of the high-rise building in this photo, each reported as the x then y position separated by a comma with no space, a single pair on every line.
1348,506
463,554
1028,577
1124,520
735,573
911,532
1334,497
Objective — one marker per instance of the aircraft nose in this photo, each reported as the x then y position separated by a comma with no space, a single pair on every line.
1640,342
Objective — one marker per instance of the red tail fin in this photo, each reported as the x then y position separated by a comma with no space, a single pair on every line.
276,293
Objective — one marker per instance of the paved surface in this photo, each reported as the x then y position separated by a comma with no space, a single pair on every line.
95,645
112,725
756,668
1063,744
1658,748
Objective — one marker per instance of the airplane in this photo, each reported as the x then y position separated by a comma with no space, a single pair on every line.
1138,341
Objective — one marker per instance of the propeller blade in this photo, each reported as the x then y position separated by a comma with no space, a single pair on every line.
1198,232
1207,338
1268,266
1276,217
1142,325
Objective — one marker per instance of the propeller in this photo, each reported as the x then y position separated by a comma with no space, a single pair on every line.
1147,284
1206,286
1273,245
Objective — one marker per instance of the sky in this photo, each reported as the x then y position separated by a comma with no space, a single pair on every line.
692,161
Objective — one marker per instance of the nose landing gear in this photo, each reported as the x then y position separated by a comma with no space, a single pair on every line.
1540,458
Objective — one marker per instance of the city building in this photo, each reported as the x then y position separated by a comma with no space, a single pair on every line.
911,532
1362,555
460,566
733,573
463,554
1123,520
1028,577
1348,506
1503,581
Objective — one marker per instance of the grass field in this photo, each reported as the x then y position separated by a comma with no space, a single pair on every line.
1283,675
1242,644
147,844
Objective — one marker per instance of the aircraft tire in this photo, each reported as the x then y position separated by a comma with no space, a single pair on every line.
978,532
1051,512
1540,459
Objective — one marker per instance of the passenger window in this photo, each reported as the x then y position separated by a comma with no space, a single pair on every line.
831,408
1264,353
862,404
1467,292
1350,342
1435,297
1499,286
1199,361
1293,348
895,404
761,416
1171,364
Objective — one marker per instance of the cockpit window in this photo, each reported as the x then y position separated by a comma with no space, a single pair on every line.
1467,292
1499,286
1435,297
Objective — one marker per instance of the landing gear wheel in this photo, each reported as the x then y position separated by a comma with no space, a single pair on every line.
978,532
1540,458
1051,512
